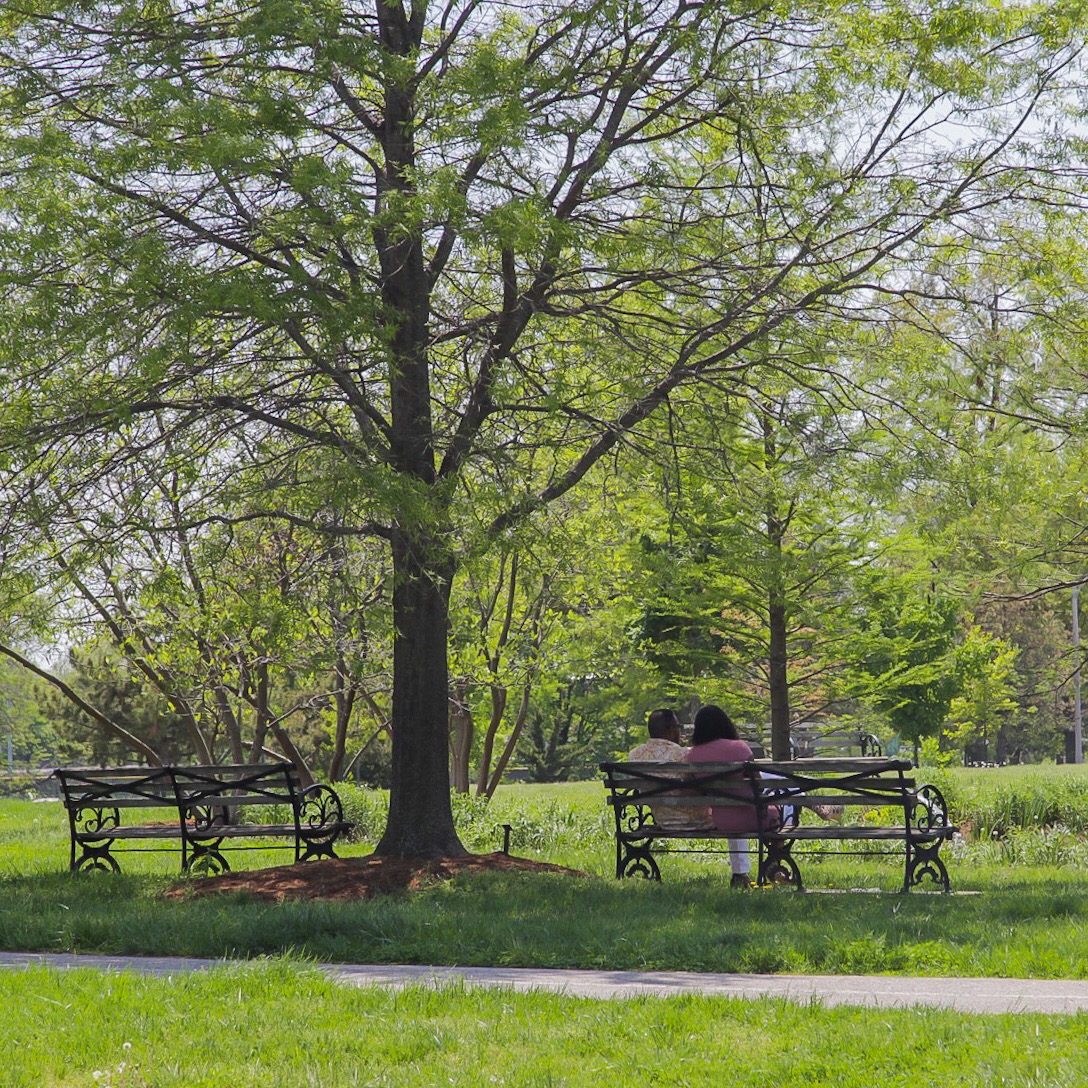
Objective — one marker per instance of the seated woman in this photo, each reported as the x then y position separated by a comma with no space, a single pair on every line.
715,740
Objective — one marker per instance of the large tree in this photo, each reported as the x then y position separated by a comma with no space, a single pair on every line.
459,250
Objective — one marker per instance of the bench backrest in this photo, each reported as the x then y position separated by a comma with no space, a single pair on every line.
236,785
873,782
116,787
225,787
809,742
870,781
677,784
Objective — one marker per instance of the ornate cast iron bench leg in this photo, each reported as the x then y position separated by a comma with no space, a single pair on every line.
927,829
204,857
320,823
776,863
94,850
634,858
199,842
924,863
317,847
96,857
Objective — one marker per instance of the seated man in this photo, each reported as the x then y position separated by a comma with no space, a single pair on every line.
664,747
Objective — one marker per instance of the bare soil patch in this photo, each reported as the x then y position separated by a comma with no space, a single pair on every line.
344,879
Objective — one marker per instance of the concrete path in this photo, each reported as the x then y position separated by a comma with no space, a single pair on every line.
980,995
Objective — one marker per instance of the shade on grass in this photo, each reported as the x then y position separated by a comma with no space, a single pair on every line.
1019,920
1030,925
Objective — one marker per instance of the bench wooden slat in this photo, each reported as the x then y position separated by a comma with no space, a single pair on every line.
837,833
171,831
141,831
128,787
827,764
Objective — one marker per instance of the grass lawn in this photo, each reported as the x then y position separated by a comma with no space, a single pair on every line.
275,1021
283,1024
1020,920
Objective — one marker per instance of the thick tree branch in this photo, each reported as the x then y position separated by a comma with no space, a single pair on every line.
112,728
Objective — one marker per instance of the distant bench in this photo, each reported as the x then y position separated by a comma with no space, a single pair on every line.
807,742
205,809
879,799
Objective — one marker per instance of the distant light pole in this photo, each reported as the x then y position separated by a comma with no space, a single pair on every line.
1078,733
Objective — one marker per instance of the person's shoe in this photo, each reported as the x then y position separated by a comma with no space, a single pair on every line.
740,880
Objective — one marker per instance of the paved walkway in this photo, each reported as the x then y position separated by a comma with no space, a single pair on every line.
985,995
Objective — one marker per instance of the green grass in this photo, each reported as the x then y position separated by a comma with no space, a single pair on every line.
997,800
278,1021
284,1024
1030,927
1026,917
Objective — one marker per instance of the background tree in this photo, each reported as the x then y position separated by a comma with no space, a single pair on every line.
30,737
772,533
557,743
905,660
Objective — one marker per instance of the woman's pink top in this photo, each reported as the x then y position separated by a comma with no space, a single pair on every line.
731,818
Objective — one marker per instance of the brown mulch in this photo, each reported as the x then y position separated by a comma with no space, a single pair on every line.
344,879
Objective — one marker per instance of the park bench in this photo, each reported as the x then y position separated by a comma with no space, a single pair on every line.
883,810
120,809
810,741
814,741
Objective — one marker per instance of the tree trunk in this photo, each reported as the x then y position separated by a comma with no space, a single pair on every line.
461,730
420,820
420,814
233,729
779,682
344,698
777,612
290,750
262,714
498,709
511,744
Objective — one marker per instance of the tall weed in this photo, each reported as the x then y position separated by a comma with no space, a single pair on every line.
1056,847
990,804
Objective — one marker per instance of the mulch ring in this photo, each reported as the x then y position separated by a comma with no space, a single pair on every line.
344,879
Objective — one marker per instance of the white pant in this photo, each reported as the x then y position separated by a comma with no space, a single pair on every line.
740,861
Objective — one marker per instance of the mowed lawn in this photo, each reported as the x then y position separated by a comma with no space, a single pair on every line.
1004,919
276,1021
282,1024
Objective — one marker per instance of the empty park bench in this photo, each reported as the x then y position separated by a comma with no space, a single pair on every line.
814,741
881,806
810,741
121,809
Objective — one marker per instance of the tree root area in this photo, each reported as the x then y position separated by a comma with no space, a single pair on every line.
344,879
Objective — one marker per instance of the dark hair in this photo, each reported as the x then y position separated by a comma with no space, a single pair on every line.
712,723
661,722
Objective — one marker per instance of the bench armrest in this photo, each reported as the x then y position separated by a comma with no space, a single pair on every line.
320,806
